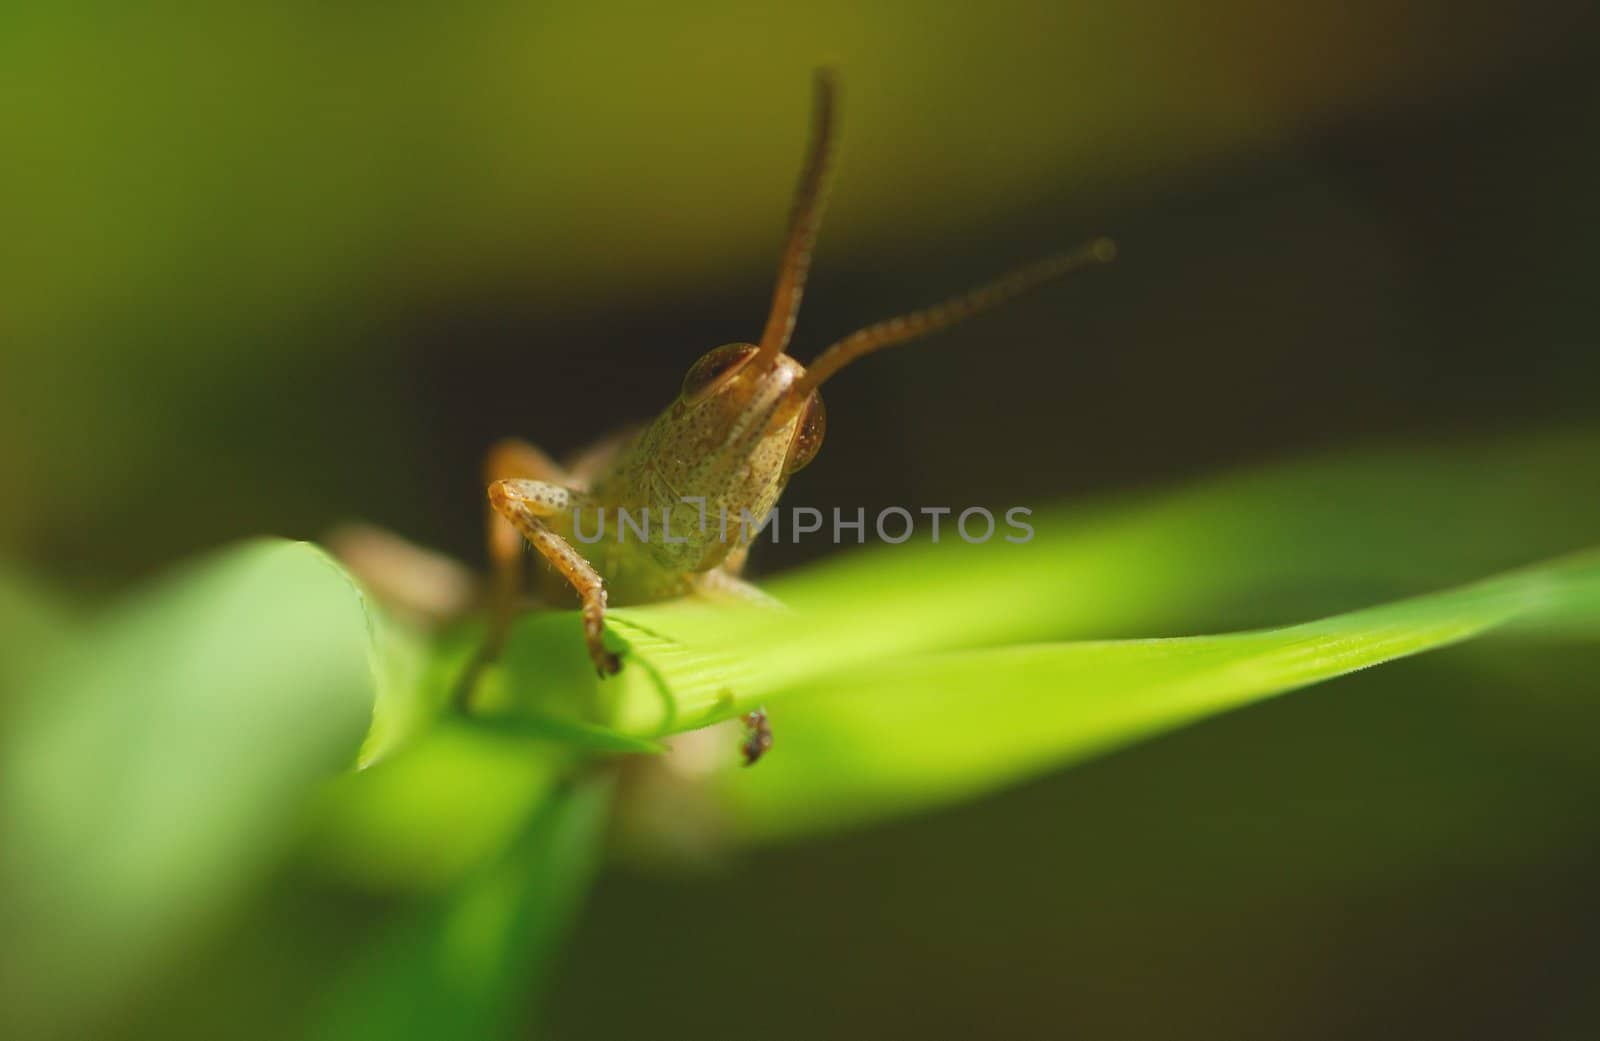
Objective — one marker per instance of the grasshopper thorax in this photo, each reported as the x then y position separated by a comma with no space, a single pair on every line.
717,459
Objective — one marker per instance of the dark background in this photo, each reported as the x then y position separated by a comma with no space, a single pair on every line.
311,275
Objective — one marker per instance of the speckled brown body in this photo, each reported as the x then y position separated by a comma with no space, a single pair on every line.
721,453
724,451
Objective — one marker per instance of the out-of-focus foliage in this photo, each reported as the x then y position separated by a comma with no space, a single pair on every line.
156,140
163,760
472,963
157,764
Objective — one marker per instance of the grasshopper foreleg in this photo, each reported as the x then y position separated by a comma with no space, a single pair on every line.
527,505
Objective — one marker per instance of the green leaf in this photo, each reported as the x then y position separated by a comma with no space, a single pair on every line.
474,961
897,680
157,767
425,817
922,731
1259,548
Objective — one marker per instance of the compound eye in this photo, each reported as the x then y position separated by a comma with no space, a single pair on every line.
807,435
713,365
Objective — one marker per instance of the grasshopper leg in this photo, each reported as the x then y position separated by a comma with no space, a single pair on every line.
426,588
510,459
527,505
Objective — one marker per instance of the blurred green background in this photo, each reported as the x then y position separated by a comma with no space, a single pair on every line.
271,267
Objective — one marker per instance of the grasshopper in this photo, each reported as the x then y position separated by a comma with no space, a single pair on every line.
747,418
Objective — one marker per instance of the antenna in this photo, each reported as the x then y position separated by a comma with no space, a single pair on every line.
894,331
809,197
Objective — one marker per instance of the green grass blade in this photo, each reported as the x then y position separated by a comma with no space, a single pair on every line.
475,961
428,816
1256,549
922,731
1259,548
158,763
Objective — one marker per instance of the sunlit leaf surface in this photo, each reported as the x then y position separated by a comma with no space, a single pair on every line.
156,769
1272,547
929,730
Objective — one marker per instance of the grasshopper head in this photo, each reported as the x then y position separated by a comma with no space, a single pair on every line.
759,412
749,415
741,425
